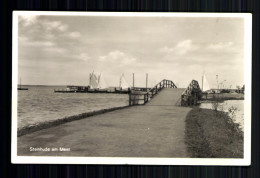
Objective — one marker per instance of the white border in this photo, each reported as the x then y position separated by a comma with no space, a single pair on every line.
137,161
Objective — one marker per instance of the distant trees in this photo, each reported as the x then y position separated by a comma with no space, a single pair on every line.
240,89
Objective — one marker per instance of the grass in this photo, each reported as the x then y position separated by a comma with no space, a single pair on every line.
213,134
223,96
52,123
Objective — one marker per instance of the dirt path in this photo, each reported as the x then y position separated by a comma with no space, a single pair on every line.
156,129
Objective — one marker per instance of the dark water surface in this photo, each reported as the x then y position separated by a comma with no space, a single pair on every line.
40,103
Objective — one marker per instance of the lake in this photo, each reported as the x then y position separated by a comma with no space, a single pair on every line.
239,113
40,103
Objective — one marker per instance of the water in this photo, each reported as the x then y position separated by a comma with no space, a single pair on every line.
239,113
40,103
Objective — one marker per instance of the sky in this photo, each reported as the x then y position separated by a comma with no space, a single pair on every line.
64,50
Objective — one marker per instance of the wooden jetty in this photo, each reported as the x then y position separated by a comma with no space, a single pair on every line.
87,89
155,128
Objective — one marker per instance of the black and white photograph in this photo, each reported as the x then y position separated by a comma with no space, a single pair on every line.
131,88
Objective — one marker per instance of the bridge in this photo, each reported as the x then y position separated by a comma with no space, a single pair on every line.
188,97
154,126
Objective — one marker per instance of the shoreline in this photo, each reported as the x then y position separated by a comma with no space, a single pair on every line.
221,97
213,134
47,124
220,100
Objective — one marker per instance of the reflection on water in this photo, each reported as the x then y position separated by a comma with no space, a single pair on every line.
239,113
40,103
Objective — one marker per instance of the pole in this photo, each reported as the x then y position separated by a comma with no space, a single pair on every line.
202,82
146,80
133,79
217,80
89,78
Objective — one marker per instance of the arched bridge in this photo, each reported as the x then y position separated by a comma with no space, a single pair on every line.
183,97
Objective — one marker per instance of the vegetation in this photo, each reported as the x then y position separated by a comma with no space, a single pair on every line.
222,97
213,134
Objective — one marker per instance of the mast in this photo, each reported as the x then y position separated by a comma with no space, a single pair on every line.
202,81
133,80
146,80
89,79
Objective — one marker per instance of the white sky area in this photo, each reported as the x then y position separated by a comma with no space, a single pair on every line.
64,50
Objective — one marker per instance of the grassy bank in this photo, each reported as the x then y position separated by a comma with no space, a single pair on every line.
212,134
223,97
48,124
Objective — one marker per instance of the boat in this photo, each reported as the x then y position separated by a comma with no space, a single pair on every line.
93,81
102,85
124,87
97,84
20,86
205,85
72,89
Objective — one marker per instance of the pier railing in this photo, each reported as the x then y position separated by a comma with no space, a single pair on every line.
142,97
163,84
191,94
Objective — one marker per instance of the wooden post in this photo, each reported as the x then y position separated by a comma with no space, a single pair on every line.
156,89
129,99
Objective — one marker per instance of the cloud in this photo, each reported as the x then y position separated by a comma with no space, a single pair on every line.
82,56
48,39
166,49
25,42
74,34
181,48
220,45
54,25
28,19
117,57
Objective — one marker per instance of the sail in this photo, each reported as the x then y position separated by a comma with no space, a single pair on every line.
93,81
205,84
101,82
123,83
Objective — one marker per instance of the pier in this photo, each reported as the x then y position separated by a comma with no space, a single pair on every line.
155,128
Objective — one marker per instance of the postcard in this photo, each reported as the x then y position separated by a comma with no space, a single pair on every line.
131,88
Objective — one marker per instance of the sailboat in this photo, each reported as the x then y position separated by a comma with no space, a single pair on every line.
123,83
102,85
97,83
20,86
124,87
205,84
93,81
